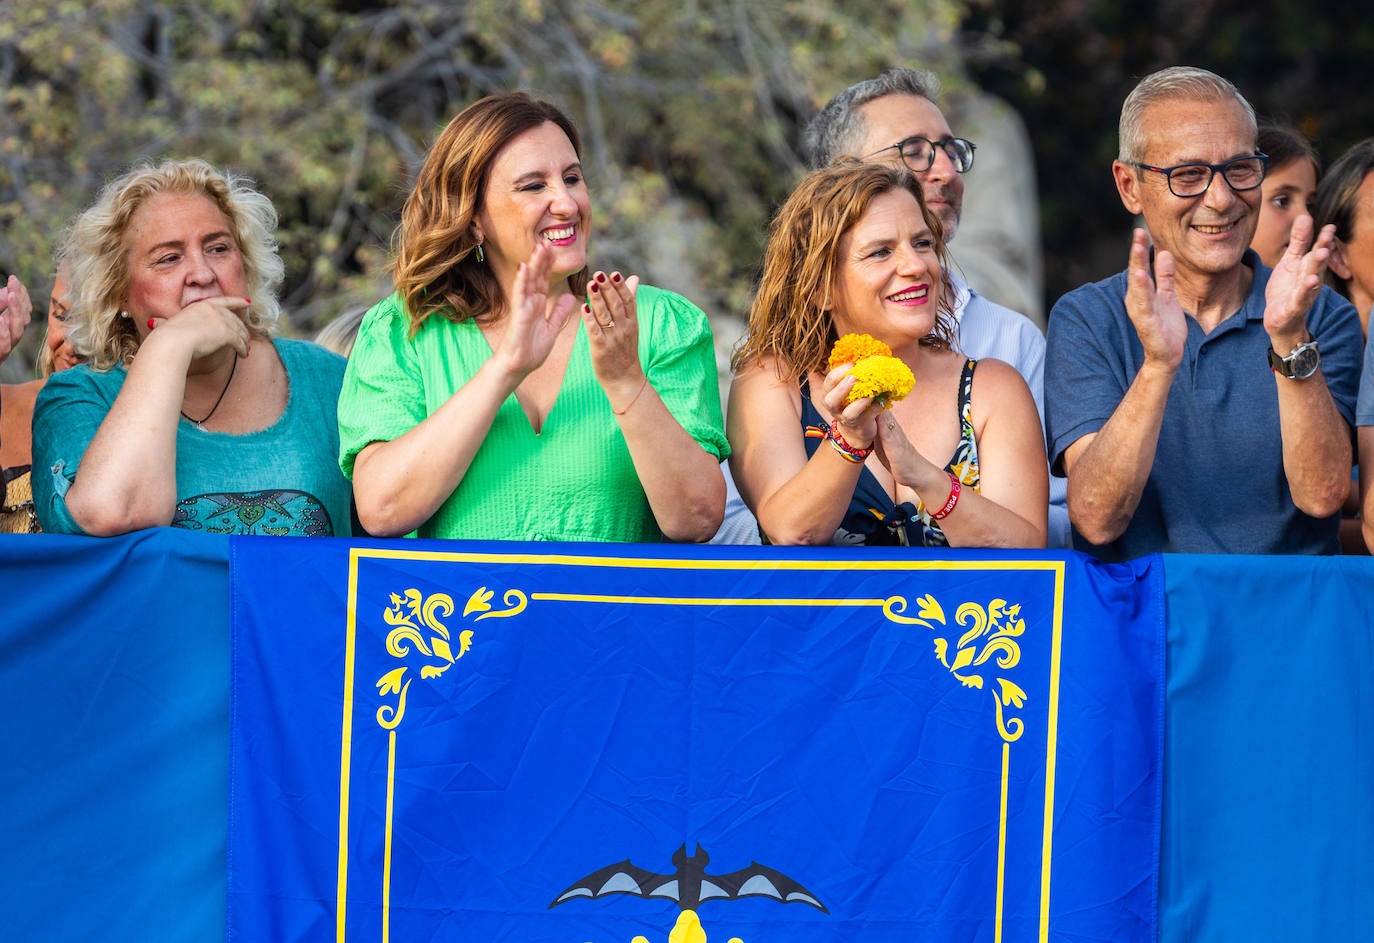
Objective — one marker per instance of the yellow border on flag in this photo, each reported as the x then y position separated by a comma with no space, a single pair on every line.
1056,567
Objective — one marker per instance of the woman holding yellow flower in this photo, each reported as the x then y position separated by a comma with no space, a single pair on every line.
831,441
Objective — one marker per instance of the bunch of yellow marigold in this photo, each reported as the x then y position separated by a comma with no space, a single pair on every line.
876,372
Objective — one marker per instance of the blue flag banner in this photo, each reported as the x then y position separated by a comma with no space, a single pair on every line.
114,678
114,728
1269,802
497,742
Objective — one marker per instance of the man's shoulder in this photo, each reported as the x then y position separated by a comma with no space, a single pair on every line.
1113,286
999,316
988,329
997,313
1332,306
1090,301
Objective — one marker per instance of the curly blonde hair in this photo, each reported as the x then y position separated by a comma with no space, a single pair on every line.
95,248
801,263
436,269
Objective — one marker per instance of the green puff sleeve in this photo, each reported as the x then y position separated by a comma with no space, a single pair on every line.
383,394
679,356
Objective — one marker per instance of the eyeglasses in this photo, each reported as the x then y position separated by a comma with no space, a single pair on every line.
918,153
1186,180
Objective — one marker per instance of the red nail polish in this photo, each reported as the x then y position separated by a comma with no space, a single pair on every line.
249,300
615,277
586,309
593,288
152,323
600,276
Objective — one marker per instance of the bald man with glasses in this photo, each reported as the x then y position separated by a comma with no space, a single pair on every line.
1200,402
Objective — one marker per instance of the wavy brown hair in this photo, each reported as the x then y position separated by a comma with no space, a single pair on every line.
801,263
436,268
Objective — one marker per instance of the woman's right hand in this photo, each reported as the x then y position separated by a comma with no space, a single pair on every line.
128,475
400,484
799,497
858,421
204,327
534,323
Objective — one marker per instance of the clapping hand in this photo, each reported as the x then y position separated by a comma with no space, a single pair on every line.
534,323
1152,306
612,323
15,311
1296,282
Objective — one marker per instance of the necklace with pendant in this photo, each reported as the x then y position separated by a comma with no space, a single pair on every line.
200,423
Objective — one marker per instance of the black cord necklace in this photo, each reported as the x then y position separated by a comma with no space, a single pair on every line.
200,423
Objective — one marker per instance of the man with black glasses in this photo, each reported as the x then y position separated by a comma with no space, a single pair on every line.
894,118
1200,402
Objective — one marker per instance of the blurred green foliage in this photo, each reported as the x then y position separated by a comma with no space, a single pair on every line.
690,114
690,110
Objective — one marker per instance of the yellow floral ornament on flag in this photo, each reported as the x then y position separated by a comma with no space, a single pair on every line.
877,373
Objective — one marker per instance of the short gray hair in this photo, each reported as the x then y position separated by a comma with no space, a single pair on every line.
1173,83
833,131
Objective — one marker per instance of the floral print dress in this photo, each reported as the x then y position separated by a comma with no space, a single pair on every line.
872,518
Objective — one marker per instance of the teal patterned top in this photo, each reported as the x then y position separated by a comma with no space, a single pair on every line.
282,480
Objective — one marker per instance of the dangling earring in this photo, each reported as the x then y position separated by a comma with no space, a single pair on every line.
481,256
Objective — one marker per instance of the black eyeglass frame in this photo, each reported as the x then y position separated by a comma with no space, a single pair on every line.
1214,169
943,144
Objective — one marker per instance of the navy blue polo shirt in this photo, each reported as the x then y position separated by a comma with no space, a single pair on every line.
1217,484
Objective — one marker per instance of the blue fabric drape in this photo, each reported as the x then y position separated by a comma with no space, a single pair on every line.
438,739
114,707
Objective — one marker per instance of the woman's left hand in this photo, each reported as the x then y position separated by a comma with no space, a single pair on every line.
15,309
908,467
681,480
613,332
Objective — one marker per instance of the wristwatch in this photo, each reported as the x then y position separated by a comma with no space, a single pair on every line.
1298,365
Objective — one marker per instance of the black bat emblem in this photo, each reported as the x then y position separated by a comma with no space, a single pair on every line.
690,886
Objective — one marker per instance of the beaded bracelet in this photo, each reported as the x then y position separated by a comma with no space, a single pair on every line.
954,488
848,452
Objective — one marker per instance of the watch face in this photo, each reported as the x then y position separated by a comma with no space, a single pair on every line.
1305,361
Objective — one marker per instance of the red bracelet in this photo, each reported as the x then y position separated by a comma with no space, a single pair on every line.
954,488
848,452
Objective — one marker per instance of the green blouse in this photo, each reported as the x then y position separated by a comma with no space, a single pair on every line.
573,480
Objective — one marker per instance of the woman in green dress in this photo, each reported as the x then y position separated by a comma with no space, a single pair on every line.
504,391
